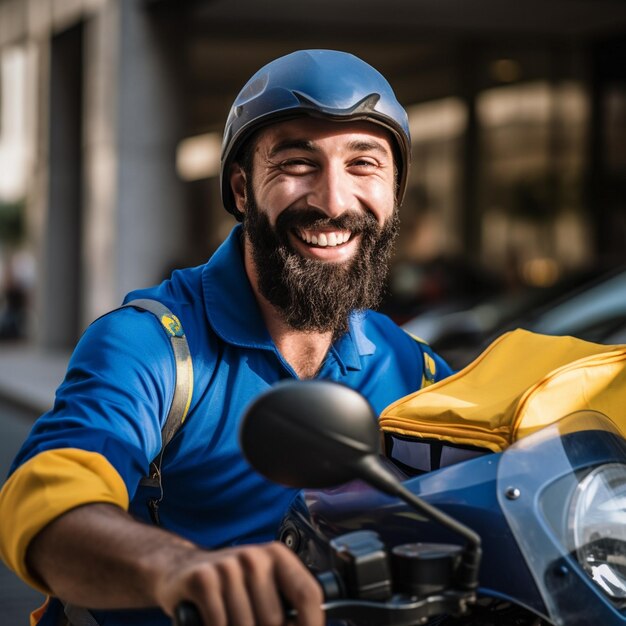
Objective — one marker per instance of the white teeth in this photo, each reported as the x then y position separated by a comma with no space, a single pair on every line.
325,240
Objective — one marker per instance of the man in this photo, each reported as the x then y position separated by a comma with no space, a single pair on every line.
314,165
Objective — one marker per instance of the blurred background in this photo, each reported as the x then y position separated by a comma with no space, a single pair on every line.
111,114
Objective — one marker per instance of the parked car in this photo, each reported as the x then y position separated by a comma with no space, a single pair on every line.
595,311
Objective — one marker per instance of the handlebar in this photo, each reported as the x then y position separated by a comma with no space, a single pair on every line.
186,614
398,611
370,585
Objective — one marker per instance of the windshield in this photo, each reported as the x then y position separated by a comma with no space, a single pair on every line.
539,490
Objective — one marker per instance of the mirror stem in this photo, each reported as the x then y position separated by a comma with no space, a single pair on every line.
374,473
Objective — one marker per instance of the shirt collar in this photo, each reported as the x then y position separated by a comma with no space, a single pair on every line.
234,314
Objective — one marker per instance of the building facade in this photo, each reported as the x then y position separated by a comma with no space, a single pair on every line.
518,126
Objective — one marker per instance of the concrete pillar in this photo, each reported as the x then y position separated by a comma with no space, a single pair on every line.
471,217
99,241
134,201
151,202
60,267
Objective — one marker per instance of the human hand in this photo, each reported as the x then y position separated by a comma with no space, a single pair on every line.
243,586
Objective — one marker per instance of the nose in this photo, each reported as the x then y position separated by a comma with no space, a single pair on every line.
332,191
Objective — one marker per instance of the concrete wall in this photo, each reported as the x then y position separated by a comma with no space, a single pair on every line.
105,207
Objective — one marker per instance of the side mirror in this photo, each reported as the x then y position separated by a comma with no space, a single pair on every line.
310,434
319,434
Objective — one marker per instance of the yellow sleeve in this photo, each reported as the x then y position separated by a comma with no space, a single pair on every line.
45,487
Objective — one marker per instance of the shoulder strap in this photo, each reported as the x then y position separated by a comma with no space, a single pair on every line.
183,391
429,370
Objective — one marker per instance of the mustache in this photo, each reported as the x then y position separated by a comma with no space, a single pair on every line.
357,222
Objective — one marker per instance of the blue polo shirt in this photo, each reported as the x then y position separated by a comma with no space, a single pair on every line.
105,426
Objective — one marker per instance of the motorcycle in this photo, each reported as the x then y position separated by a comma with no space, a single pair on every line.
542,523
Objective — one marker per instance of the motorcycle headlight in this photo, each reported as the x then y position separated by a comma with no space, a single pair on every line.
598,527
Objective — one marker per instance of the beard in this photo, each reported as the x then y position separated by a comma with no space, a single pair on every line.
310,294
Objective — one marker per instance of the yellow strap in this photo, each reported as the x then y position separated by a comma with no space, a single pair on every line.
183,386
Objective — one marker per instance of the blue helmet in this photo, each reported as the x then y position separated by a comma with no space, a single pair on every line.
320,83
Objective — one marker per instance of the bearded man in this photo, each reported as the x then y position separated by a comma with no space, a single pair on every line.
315,161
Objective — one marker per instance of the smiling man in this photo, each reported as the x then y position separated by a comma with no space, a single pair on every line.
320,219
315,160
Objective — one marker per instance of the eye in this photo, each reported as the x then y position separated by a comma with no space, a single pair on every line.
297,166
364,165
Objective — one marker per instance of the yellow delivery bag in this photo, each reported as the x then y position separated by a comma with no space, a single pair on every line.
522,382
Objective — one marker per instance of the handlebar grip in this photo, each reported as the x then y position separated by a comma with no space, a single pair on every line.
186,614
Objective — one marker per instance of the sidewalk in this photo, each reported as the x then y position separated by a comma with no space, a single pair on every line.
29,376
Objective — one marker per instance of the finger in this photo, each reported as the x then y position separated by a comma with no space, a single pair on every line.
259,565
204,591
299,587
239,606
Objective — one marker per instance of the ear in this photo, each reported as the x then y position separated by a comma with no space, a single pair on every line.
238,186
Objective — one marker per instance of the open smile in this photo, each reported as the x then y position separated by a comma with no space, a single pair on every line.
323,239
334,246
